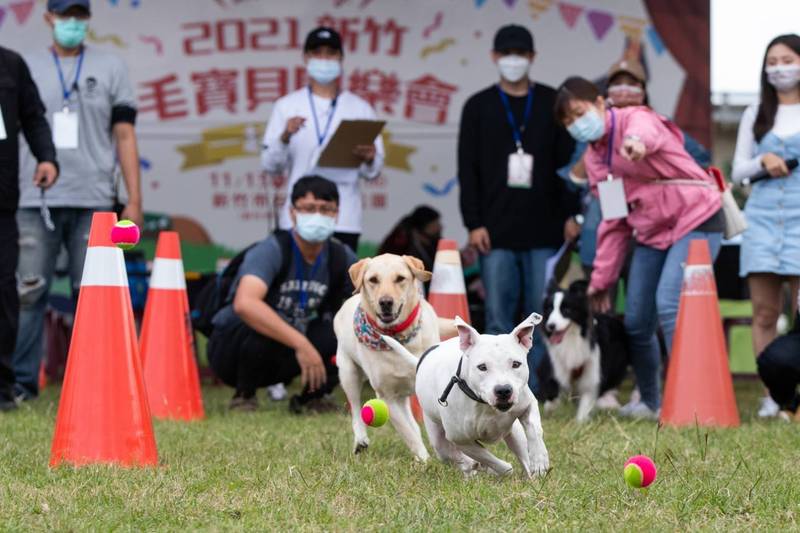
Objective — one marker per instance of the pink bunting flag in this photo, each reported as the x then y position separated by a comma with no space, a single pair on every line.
22,10
2,14
570,13
600,22
510,3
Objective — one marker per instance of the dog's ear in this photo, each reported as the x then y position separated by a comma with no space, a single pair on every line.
356,272
417,268
467,335
579,287
524,331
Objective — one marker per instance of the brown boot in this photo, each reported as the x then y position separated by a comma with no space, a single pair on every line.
244,405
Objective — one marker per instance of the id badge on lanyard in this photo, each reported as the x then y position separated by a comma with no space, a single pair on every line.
613,203
65,122
520,163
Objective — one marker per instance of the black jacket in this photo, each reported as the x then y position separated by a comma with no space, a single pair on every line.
22,110
517,219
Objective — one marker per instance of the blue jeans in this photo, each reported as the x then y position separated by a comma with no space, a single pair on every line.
508,277
39,249
654,292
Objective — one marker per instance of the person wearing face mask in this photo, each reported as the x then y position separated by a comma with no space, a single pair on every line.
303,122
91,107
769,136
417,235
512,201
650,190
277,323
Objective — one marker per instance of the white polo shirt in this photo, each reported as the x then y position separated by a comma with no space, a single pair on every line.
299,157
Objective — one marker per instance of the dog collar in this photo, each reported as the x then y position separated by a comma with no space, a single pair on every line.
369,333
456,380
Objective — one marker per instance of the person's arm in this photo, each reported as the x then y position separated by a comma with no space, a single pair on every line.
566,153
249,305
372,155
275,151
36,128
123,119
699,153
746,163
469,178
643,133
613,237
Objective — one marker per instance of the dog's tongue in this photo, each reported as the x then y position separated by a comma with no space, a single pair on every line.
557,336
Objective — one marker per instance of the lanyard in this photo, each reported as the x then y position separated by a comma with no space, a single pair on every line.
321,136
68,91
610,148
517,132
300,271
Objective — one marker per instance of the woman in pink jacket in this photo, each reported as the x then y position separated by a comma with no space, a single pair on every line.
652,190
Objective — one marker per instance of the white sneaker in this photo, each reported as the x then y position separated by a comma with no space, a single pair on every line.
639,411
276,392
636,396
768,408
608,400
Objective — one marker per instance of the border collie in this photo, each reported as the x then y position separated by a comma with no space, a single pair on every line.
588,353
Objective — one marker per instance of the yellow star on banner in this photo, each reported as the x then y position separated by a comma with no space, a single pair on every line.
397,154
221,143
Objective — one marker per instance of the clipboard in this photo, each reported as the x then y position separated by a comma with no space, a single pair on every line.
338,152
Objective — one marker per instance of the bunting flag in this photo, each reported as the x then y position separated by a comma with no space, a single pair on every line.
655,40
479,3
570,13
22,11
600,22
2,14
538,7
510,3
632,27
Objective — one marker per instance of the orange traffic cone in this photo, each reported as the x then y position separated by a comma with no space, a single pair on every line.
447,294
167,345
42,377
103,416
699,389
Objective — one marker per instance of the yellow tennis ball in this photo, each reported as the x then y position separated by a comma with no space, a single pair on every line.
375,413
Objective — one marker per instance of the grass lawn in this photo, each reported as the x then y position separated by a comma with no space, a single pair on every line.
274,471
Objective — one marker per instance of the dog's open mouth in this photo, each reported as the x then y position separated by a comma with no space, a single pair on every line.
557,336
505,406
388,318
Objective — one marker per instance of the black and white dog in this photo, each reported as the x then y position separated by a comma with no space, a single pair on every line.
588,353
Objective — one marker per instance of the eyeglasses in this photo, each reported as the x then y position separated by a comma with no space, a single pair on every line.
308,209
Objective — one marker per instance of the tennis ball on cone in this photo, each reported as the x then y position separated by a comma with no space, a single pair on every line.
125,234
639,472
375,413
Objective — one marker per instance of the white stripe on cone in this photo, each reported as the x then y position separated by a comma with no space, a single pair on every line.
104,267
447,279
167,274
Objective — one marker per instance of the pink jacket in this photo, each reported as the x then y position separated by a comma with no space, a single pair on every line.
659,214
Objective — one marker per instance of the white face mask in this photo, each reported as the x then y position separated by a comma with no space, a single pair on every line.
324,71
513,68
783,77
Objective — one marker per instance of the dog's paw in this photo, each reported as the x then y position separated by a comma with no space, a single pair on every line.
540,464
469,467
360,446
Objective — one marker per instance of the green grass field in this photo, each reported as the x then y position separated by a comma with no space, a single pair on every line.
274,471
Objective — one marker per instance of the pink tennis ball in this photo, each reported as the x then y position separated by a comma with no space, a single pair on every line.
640,471
125,234
375,413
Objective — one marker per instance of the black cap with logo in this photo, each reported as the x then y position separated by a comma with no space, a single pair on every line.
323,36
513,37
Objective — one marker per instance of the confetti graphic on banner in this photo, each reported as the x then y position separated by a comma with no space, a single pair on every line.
632,27
655,40
600,22
435,25
570,13
219,144
112,38
133,3
22,11
441,46
155,41
538,7
479,3
396,154
433,190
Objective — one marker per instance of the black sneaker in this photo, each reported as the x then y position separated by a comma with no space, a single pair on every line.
244,405
8,405
299,405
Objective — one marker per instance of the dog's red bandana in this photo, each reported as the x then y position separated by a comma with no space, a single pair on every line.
369,333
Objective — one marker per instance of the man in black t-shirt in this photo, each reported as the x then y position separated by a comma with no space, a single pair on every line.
512,201
278,324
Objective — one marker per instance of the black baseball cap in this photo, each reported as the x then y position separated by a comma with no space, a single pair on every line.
513,37
60,6
323,36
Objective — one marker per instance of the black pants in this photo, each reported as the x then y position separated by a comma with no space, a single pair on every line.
247,360
9,300
779,368
349,239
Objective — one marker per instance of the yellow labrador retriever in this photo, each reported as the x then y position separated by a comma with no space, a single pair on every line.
387,302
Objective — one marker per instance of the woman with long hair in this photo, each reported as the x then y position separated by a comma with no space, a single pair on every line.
651,190
769,136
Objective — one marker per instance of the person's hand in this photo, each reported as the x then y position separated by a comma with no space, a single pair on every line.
479,238
133,212
46,175
312,369
775,165
365,152
571,229
292,127
599,300
632,149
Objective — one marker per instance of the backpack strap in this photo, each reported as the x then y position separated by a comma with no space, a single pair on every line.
338,274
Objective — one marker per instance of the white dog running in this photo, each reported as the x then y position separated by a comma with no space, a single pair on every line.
474,389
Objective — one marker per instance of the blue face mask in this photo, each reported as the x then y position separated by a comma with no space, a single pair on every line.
314,227
70,32
588,127
324,71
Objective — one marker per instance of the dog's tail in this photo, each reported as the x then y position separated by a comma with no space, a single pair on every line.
400,350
